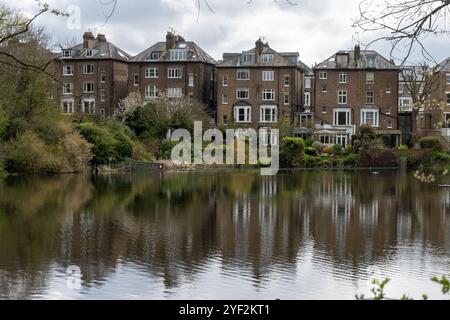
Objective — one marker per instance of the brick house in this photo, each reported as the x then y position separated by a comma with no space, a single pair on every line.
353,88
176,67
434,119
94,77
259,88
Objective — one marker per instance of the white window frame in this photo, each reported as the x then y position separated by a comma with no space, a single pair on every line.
273,114
343,77
323,75
89,53
308,82
152,73
91,107
268,95
240,72
102,95
388,89
191,80
102,77
267,57
175,92
225,98
447,96
408,105
86,68
448,78
247,115
67,53
68,68
367,97
174,73
136,80
151,91
286,99
225,80
86,86
368,80
68,92
268,75
242,90
388,111
342,97
324,86
365,112
390,125
400,88
70,106
307,99
348,117
178,54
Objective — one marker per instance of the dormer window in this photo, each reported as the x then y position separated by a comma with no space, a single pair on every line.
342,60
89,53
370,61
247,57
267,58
155,55
67,53
177,55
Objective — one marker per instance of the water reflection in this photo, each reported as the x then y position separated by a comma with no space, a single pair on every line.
189,234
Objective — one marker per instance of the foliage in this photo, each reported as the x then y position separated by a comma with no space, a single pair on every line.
328,150
310,151
435,143
338,150
441,156
3,121
292,151
351,160
403,147
309,143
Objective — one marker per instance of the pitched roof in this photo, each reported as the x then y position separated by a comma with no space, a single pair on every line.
444,66
380,62
280,59
195,53
101,50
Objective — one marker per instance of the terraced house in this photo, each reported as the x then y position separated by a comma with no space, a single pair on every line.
176,68
354,88
259,88
94,77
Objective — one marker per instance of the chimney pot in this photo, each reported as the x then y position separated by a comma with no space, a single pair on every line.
88,40
101,37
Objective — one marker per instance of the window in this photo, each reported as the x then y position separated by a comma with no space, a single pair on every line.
323,75
135,80
242,114
174,92
102,95
225,120
88,106
405,104
152,73
389,125
225,81
103,77
67,106
308,83
268,114
324,109
88,87
342,117
267,57
247,57
68,70
342,97
177,55
370,117
343,77
174,73
242,94
370,78
369,97
268,95
67,88
388,88
88,69
342,60
324,88
388,111
155,55
67,53
89,53
243,75
307,99
268,137
286,99
151,92
191,80
400,88
287,80
448,98
224,99
448,78
268,75
370,61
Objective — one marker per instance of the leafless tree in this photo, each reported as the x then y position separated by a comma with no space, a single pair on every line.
405,23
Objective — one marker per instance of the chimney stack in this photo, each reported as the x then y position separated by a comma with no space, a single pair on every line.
259,44
173,40
101,37
357,54
88,40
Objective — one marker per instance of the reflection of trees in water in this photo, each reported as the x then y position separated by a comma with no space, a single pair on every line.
173,225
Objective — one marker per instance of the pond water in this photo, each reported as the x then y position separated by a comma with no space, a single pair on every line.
222,235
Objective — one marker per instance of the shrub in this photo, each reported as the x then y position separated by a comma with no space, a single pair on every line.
310,161
337,150
403,148
441,156
310,151
325,163
329,150
292,151
309,143
348,150
435,143
318,146
165,149
351,160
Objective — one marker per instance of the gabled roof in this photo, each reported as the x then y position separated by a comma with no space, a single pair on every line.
280,59
195,53
444,66
100,50
358,64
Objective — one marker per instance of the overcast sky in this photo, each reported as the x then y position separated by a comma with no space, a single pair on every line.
314,28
